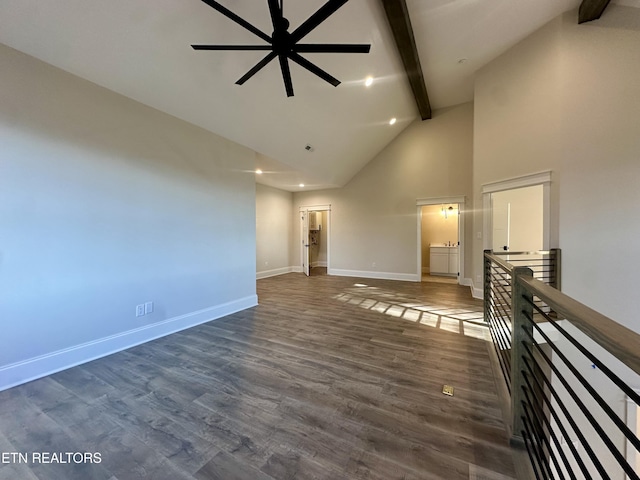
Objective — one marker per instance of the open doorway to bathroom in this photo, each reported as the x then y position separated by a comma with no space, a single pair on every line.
440,240
440,249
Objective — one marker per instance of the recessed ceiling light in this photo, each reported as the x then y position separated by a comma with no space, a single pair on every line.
368,82
392,121
301,185
259,172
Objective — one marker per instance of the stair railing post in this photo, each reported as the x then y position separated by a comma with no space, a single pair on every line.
520,309
556,259
486,279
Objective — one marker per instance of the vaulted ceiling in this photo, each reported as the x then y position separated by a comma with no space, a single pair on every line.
142,49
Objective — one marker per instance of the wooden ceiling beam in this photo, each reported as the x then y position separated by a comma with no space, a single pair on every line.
398,17
591,10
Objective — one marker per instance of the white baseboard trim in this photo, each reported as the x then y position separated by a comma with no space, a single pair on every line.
475,292
405,277
37,367
275,272
319,264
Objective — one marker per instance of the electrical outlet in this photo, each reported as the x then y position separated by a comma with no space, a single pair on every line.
478,278
373,265
148,307
139,310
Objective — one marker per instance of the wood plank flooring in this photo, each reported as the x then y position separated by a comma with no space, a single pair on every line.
328,378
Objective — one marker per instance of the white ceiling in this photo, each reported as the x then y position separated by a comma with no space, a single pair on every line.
141,49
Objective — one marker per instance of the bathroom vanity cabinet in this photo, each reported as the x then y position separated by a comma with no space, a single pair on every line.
443,260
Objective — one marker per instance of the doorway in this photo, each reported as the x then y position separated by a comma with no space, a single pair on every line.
318,242
315,237
440,250
440,240
510,220
517,219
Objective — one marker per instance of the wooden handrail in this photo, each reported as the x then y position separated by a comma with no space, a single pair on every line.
617,339
506,266
509,252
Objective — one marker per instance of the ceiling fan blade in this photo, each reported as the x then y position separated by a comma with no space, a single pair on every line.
331,48
240,21
303,62
231,47
286,75
316,19
275,11
258,66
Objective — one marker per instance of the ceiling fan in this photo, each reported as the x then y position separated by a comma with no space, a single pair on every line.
284,44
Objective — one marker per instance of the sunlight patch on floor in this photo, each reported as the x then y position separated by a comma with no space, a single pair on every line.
368,303
411,315
430,319
396,311
463,321
450,325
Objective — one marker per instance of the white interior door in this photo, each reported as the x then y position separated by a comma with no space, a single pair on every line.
304,216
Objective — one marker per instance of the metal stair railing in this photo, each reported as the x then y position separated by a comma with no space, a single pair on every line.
573,376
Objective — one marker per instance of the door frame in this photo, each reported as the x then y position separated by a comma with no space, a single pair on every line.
460,200
541,178
315,208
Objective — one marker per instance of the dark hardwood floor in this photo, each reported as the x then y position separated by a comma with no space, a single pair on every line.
328,378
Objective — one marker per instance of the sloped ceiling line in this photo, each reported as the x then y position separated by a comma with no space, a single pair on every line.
398,17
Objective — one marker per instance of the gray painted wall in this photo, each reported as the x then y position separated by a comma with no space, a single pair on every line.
274,231
106,204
